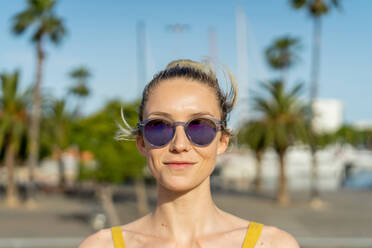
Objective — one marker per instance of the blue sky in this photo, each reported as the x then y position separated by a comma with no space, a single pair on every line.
102,36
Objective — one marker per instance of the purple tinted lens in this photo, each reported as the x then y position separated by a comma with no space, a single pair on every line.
201,131
158,132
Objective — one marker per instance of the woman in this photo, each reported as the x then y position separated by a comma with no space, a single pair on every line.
182,130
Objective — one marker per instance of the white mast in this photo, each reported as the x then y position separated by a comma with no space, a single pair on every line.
242,70
141,57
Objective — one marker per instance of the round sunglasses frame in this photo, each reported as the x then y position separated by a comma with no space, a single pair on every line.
218,124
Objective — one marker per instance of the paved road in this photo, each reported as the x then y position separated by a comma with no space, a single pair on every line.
345,221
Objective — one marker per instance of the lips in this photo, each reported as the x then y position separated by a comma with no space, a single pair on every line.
179,164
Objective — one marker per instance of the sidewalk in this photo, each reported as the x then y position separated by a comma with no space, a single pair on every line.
346,218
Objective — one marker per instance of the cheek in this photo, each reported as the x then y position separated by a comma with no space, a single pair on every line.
154,160
208,154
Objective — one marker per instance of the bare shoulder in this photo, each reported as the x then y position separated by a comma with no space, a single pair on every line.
100,239
273,237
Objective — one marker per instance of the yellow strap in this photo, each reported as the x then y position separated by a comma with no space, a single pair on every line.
253,234
251,238
117,237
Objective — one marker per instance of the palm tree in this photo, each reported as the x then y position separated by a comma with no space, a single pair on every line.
80,88
283,116
282,54
254,134
39,17
13,119
317,9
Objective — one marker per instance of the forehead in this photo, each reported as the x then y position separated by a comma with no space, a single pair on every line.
181,98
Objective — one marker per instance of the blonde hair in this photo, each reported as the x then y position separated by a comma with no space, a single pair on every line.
197,71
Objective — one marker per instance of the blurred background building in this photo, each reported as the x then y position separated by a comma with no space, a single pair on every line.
328,115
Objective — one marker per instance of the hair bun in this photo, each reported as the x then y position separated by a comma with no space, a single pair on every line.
203,66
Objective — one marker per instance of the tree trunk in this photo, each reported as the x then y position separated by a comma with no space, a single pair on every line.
313,95
284,76
283,197
105,193
34,130
142,204
258,179
61,170
11,193
76,112
314,174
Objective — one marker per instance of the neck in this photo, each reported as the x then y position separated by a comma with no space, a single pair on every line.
182,215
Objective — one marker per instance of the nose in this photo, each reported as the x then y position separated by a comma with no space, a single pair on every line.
180,142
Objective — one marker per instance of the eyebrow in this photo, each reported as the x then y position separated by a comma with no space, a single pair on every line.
165,114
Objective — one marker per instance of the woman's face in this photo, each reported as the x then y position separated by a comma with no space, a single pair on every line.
180,100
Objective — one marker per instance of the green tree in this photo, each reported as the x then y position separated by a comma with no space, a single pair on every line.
325,139
317,9
358,137
348,134
367,139
13,122
117,161
39,17
254,134
283,115
282,54
80,88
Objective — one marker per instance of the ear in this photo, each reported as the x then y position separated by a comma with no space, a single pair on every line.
223,143
141,145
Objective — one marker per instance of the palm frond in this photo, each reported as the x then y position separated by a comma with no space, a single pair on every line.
22,21
13,109
282,53
40,16
297,4
80,73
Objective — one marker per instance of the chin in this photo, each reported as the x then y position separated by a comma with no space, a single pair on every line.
178,185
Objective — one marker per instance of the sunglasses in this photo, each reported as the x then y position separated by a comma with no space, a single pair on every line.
200,131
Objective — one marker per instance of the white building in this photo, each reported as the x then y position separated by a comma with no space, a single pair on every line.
327,115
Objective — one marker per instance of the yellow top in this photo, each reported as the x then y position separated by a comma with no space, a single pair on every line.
251,237
253,234
117,237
